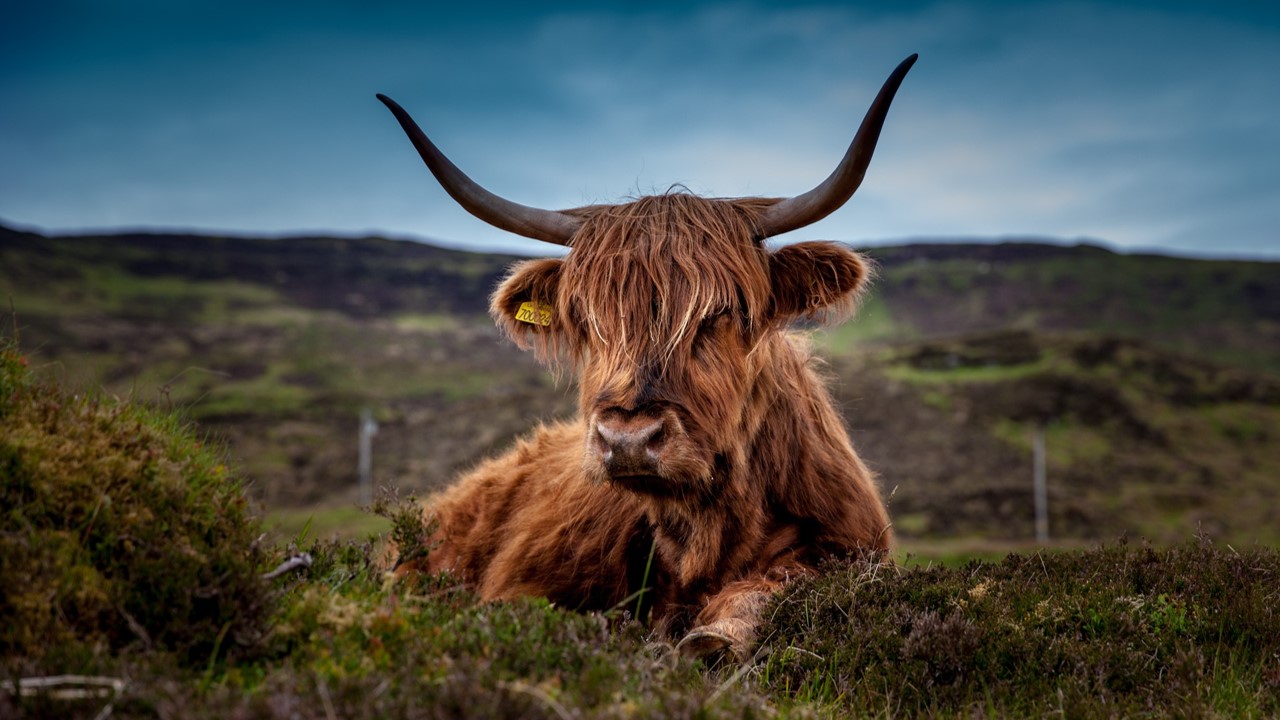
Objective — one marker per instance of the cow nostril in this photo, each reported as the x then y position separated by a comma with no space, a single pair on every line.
603,446
657,439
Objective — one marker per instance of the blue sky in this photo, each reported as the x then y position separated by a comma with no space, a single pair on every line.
1138,124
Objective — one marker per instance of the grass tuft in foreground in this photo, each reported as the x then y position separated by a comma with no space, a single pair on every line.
1115,631
119,530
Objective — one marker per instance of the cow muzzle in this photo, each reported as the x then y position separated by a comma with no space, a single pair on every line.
633,444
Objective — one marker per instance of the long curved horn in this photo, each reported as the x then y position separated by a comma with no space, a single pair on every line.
825,199
548,225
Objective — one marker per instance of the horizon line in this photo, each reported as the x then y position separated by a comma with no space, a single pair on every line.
553,250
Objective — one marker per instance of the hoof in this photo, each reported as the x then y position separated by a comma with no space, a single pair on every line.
702,643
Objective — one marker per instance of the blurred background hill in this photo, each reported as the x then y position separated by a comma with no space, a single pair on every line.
1156,379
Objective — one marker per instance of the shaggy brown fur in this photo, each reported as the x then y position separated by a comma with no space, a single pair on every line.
673,316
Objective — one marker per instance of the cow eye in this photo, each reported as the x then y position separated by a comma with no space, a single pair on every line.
710,327
712,324
712,332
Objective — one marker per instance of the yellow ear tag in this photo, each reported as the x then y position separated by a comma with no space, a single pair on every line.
534,313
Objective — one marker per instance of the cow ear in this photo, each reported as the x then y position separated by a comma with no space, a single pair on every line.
524,303
816,280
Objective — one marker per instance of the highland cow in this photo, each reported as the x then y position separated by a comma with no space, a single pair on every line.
708,465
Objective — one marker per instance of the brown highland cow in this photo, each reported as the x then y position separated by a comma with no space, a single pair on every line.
707,465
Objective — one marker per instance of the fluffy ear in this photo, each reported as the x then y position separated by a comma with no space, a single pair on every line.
523,305
816,280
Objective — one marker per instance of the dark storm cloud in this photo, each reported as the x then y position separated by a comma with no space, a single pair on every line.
1143,124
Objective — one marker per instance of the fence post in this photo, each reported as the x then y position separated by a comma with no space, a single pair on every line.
368,428
1041,491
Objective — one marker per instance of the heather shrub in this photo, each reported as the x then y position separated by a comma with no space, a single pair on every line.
119,529
1118,630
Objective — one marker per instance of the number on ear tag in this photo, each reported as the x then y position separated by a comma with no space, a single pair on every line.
534,313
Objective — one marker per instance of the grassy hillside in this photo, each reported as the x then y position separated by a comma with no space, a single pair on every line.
1227,311
1154,377
1139,440
276,345
164,276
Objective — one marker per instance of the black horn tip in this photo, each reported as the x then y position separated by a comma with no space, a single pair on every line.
810,207
906,64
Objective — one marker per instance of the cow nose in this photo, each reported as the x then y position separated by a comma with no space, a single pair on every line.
630,444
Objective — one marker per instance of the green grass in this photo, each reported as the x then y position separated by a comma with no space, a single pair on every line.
985,374
325,523
282,315
960,551
1245,423
260,396
448,382
874,322
426,322
1218,309
106,290
1066,442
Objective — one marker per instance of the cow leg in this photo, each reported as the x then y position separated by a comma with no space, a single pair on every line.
731,629
728,622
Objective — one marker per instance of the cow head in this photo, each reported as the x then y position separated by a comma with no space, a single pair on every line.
669,307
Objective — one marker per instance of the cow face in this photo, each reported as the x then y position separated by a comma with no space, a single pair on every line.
665,308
